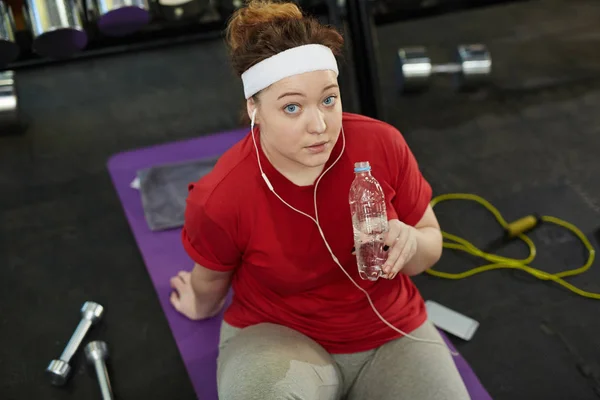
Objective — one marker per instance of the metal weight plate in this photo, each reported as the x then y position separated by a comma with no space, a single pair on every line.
121,17
57,27
414,69
9,50
476,63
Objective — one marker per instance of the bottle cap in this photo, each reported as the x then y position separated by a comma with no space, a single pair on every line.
362,166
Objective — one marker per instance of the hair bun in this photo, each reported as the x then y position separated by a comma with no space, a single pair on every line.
244,21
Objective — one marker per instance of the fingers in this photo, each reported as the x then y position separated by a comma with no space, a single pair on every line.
407,253
182,278
396,249
177,283
175,301
394,230
184,275
181,285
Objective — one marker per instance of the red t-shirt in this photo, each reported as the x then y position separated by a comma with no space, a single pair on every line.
284,273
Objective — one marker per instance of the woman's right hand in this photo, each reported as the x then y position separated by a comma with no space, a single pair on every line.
183,298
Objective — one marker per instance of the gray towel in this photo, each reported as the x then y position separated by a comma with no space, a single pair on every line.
164,189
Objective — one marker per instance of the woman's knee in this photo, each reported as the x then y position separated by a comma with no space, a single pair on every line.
273,362
405,369
281,380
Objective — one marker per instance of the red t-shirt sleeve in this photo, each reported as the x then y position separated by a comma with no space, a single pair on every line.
413,192
208,236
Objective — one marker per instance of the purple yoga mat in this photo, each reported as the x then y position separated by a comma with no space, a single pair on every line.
164,256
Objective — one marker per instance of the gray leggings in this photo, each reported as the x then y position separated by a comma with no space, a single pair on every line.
272,362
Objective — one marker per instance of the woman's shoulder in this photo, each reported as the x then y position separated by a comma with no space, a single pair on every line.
230,176
355,120
366,130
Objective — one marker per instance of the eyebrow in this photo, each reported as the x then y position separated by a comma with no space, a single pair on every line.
302,94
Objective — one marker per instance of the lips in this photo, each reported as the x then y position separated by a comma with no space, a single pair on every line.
318,144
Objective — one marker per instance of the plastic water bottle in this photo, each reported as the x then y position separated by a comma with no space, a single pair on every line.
369,219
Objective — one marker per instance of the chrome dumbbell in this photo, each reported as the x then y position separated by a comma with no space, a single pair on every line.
96,354
472,68
59,370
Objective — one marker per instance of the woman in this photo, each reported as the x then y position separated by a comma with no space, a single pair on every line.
298,327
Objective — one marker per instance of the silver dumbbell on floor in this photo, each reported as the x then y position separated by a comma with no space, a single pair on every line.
472,69
59,370
96,354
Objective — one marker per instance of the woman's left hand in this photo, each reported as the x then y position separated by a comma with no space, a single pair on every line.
401,242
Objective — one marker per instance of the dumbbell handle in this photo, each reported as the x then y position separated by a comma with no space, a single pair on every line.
450,68
103,380
76,339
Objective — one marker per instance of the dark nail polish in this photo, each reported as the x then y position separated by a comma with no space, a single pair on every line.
386,247
353,249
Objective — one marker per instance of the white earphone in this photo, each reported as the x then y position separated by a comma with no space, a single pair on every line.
258,157
316,221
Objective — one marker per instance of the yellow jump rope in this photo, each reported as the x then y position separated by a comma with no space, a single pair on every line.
516,229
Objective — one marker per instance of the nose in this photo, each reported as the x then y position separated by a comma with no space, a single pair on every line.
317,123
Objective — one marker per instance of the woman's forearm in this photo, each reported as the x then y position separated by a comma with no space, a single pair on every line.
429,250
210,290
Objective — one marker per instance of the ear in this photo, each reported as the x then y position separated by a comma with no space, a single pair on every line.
251,107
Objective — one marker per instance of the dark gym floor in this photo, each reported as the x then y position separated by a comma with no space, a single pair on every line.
64,239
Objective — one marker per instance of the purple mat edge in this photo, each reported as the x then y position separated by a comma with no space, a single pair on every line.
122,168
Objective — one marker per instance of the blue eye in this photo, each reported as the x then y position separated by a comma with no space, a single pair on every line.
329,101
292,108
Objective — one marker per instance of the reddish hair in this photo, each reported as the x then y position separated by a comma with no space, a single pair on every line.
264,28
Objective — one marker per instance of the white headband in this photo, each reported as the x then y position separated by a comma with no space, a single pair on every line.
294,61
